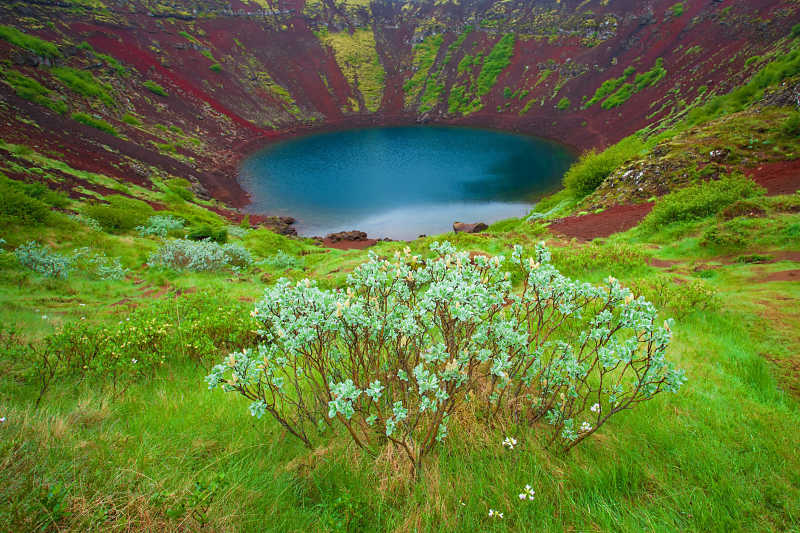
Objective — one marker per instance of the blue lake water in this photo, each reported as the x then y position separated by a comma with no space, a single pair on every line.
401,182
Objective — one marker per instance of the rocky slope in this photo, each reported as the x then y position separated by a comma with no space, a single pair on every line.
141,92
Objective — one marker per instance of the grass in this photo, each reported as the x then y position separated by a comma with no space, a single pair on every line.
592,168
84,83
30,89
495,62
29,42
719,456
94,122
155,88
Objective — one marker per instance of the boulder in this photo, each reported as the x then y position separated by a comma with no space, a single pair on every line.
462,227
347,236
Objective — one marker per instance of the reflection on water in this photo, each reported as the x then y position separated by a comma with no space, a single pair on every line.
401,182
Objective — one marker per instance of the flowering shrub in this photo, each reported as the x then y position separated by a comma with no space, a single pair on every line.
87,221
187,328
160,226
200,256
41,259
410,340
99,265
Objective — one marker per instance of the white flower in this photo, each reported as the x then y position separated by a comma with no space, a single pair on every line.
134,361
2,420
595,408
510,442
528,493
586,426
44,317
495,514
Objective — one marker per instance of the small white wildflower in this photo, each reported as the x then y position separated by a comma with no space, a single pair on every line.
527,494
510,442
2,420
44,317
595,408
586,426
495,514
134,360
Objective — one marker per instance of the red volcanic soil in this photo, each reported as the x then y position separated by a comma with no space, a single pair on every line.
612,220
349,245
785,275
782,177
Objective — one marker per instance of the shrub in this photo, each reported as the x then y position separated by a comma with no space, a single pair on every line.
118,354
238,256
680,299
216,67
677,9
563,104
584,176
160,226
21,208
155,88
207,232
201,256
41,259
94,122
700,201
398,354
98,265
283,261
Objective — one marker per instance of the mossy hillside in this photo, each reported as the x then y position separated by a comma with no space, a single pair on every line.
358,59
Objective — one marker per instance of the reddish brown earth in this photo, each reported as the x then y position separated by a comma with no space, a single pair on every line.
785,275
782,177
349,245
612,220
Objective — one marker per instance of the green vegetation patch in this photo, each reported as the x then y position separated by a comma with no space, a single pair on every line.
424,56
155,88
29,42
30,89
495,62
358,59
94,122
83,82
584,176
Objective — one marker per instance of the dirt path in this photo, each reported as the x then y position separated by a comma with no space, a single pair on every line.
612,220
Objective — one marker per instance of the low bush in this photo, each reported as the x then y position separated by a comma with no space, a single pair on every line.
283,261
563,104
791,127
200,256
190,328
41,259
98,265
206,232
701,200
584,176
616,257
396,356
18,207
679,297
160,226
118,216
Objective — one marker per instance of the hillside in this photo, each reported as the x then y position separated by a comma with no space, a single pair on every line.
183,90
